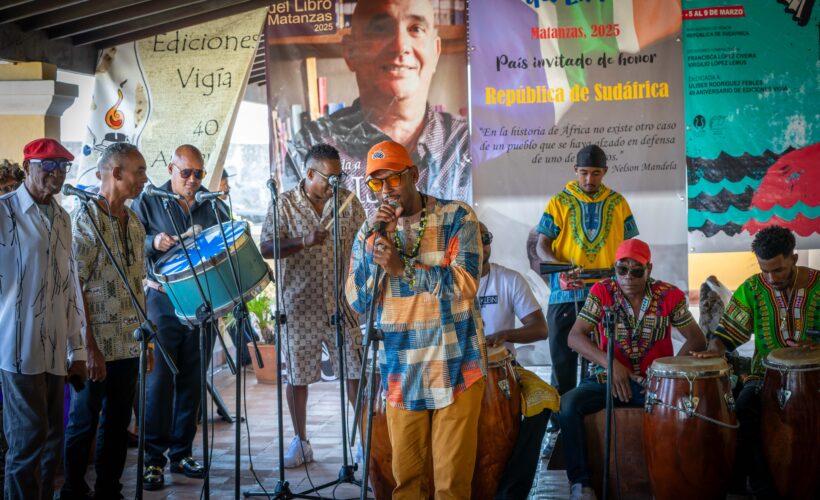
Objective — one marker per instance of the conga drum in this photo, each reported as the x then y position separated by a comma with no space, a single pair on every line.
498,422
498,425
690,428
790,421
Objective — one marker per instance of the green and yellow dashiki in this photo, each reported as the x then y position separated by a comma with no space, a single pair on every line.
771,315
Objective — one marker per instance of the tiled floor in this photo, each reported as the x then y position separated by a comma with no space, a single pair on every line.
324,429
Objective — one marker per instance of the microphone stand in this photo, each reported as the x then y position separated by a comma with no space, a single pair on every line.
145,333
240,313
204,315
610,326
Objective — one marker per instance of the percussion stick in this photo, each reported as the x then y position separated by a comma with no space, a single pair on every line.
347,202
192,231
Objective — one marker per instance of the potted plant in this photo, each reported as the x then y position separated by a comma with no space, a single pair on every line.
261,320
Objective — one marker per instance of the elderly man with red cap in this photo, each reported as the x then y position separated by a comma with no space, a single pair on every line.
432,370
646,311
41,310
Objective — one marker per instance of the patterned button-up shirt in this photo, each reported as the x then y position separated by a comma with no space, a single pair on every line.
642,339
433,333
307,275
441,152
40,298
111,315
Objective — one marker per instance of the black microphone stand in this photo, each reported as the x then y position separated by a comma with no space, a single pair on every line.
145,333
205,317
610,327
240,314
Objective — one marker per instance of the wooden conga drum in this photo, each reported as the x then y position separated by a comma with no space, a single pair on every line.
498,425
790,421
690,428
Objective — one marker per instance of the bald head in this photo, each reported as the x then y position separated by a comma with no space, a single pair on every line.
187,152
368,11
187,169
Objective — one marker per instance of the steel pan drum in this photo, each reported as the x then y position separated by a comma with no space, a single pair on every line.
207,251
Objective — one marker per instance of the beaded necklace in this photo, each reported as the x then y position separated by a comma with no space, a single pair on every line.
406,258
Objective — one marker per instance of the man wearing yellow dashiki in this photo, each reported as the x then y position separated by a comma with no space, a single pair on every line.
583,224
780,305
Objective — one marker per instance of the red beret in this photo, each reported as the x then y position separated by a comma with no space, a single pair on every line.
41,149
634,249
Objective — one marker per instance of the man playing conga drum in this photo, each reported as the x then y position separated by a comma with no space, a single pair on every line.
778,305
432,368
646,310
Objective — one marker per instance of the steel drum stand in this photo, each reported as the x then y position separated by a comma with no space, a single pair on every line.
145,333
240,314
610,327
205,318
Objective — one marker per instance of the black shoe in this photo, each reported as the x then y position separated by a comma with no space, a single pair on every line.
190,467
153,478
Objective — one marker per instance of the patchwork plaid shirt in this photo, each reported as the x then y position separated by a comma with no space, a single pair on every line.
433,347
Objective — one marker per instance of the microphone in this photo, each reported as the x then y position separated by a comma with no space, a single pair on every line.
334,180
203,196
271,186
69,190
381,226
152,190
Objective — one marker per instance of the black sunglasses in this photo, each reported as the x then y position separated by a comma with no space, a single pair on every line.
199,173
486,238
635,272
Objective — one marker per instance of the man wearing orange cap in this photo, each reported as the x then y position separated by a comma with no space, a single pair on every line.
432,368
41,309
646,311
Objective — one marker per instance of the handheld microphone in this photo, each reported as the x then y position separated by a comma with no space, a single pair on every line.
69,190
203,196
152,190
381,226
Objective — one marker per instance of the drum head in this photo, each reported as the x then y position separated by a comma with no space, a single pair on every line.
688,367
205,248
794,358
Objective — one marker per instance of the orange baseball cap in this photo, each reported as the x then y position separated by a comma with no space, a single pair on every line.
634,249
387,155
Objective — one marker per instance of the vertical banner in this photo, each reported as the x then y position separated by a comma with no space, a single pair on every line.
352,74
181,87
549,77
752,121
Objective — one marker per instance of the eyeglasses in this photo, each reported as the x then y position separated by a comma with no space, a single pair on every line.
342,176
199,173
393,181
635,272
49,166
486,238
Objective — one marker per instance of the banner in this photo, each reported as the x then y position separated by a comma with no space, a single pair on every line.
352,74
548,78
752,115
181,87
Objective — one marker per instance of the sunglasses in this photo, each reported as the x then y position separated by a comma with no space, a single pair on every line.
199,173
393,181
486,238
635,272
49,166
326,177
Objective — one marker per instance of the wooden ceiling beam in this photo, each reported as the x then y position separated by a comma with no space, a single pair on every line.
216,9
86,10
128,14
30,9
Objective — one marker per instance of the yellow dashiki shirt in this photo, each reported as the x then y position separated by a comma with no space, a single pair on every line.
756,307
586,230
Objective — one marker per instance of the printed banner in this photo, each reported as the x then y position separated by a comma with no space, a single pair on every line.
752,114
352,74
548,78
181,87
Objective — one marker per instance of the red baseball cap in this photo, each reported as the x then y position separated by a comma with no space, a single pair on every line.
41,149
634,249
387,155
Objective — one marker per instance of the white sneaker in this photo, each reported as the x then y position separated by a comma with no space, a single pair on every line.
298,452
580,492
